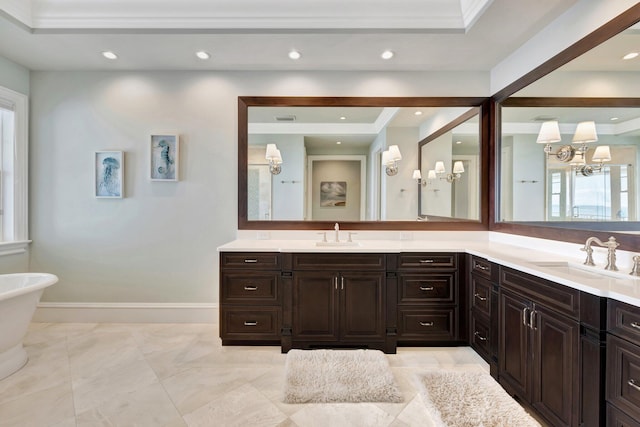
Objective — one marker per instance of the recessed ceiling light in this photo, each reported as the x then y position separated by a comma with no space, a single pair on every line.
630,55
203,55
418,113
294,54
458,142
343,118
387,54
613,119
338,142
109,55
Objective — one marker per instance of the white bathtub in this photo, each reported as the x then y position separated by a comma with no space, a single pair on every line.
19,295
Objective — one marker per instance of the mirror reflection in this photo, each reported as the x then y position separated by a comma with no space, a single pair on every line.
449,170
328,163
575,165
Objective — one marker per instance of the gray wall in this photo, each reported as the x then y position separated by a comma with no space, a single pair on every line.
158,244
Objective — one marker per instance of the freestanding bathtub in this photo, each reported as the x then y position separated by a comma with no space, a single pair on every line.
19,295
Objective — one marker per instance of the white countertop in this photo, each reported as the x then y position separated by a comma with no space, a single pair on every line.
594,280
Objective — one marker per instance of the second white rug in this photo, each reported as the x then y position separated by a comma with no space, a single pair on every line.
323,376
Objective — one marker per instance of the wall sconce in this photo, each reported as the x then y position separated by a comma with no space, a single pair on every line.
390,160
458,169
275,159
550,133
601,155
431,175
417,175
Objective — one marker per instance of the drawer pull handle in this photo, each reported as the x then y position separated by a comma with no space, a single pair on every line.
426,288
635,325
250,288
250,261
480,337
250,323
481,267
426,261
426,323
633,384
480,297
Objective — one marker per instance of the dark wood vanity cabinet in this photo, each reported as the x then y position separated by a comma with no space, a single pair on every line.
483,309
429,304
538,352
623,364
339,300
250,298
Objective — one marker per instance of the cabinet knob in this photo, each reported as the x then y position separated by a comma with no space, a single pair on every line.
480,297
250,288
250,323
480,267
426,288
426,323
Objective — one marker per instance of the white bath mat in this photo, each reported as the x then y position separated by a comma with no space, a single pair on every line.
470,399
339,376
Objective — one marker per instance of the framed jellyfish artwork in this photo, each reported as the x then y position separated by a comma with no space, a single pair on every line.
109,174
164,157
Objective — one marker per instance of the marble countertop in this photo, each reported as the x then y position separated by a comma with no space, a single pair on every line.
566,269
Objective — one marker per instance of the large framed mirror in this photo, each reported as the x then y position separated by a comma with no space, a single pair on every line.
308,162
568,143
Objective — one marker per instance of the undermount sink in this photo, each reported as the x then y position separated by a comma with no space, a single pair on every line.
339,244
575,270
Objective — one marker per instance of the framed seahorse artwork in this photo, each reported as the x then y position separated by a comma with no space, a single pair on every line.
165,158
109,174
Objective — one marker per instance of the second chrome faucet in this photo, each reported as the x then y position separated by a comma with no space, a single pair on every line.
611,246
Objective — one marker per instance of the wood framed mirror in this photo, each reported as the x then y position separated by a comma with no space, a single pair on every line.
307,185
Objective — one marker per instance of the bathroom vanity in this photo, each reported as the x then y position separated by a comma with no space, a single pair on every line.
544,328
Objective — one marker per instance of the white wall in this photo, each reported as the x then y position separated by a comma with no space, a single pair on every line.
577,22
14,76
529,165
436,195
158,244
288,197
401,190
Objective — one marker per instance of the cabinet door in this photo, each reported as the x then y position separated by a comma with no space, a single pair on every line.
315,313
555,367
515,343
362,306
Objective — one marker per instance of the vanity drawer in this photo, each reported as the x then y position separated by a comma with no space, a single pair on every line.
250,287
250,323
623,375
250,260
481,266
427,324
427,260
624,320
481,295
426,288
481,336
339,261
617,418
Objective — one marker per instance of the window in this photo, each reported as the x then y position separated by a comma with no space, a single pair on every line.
13,171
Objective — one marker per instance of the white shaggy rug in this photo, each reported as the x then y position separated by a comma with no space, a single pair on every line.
470,399
339,376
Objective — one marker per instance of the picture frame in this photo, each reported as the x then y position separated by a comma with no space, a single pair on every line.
333,194
164,158
108,174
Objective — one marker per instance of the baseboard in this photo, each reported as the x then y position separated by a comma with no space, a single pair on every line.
72,312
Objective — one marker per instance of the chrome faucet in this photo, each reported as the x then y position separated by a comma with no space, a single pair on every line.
611,246
337,228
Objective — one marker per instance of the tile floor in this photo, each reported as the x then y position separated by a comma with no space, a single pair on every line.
180,375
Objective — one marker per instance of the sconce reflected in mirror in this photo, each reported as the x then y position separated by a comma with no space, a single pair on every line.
440,171
601,155
431,175
390,160
275,159
584,134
